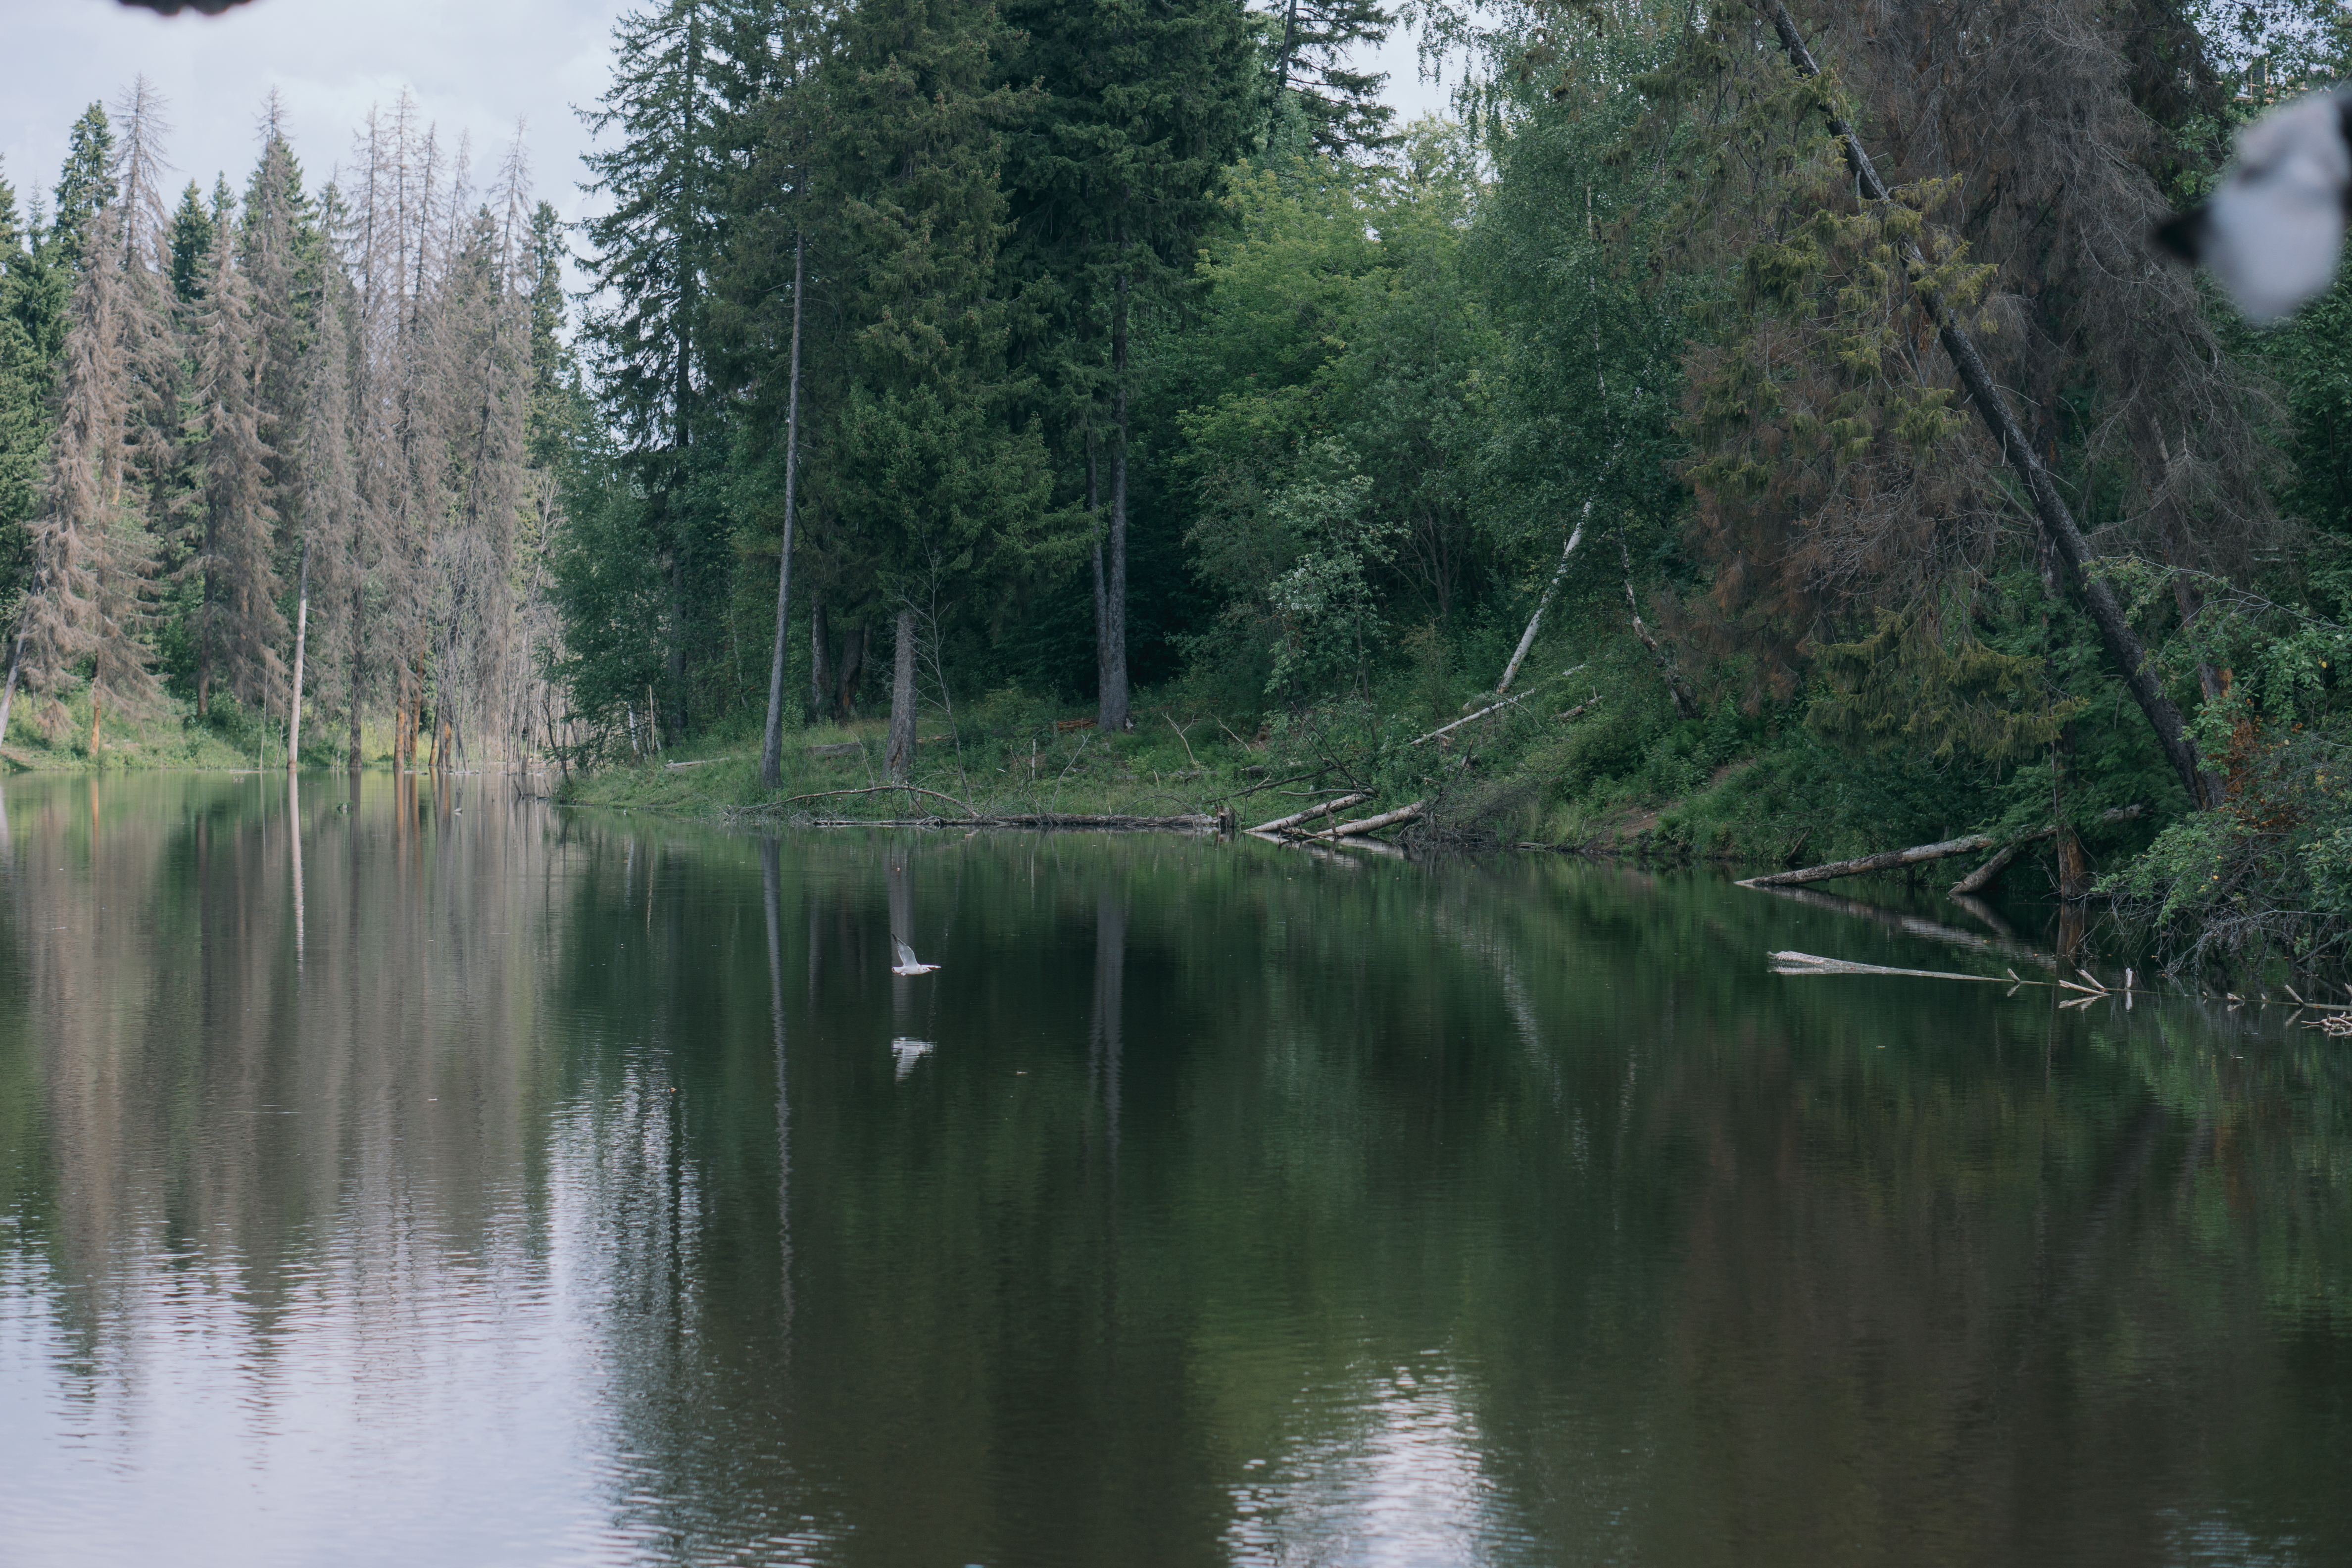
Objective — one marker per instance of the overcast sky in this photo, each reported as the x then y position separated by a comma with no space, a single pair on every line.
476,65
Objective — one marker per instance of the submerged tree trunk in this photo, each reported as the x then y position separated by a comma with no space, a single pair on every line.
772,749
898,756
2050,509
301,633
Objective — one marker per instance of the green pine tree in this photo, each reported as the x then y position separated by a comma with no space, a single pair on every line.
191,245
85,184
1143,105
932,471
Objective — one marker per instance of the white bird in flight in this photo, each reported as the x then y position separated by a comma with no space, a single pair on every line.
908,962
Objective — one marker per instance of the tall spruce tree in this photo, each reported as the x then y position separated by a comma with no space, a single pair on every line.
1143,104
191,244
24,393
932,471
678,80
241,624
1309,44
86,184
92,548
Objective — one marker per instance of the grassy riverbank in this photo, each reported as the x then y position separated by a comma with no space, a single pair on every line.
1165,768
52,736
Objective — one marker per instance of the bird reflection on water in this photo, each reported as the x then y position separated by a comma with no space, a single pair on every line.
909,1052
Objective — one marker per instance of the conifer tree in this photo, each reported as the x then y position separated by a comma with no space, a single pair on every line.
1143,104
24,394
191,245
680,74
242,626
91,546
1311,42
931,470
85,185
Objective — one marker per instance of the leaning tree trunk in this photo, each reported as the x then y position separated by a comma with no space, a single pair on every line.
772,749
898,756
2050,509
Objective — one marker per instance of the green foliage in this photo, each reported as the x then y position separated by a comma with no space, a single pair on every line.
1901,687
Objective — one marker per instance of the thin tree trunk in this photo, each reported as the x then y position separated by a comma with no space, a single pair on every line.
301,634
1112,713
1102,613
97,711
898,755
772,749
2050,508
820,664
353,758
852,665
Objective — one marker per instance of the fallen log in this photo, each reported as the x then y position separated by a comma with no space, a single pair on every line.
1984,877
840,748
1338,803
1401,816
1886,861
1195,823
881,789
701,762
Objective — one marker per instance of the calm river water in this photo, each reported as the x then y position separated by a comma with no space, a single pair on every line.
405,1175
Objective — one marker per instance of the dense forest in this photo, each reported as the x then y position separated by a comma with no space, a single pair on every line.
1780,413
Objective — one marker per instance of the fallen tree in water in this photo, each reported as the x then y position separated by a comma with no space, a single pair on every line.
1893,860
1890,860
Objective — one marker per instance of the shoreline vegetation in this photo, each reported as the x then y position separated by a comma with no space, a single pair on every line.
1716,443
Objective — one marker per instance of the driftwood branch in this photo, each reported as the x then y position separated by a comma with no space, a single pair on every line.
1401,815
1338,802
1886,861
